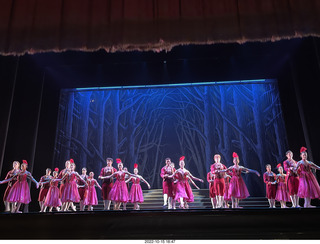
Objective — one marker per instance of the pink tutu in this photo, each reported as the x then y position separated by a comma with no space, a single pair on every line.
136,194
282,194
52,198
70,192
308,184
91,198
20,191
119,191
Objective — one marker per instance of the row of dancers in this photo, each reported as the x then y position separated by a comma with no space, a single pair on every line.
225,185
298,182
74,188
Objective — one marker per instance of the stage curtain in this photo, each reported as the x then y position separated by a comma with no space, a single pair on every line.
31,26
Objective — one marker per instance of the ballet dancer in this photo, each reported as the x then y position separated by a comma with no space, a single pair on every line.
183,190
292,179
52,199
64,182
308,185
20,191
82,188
136,195
71,194
126,177
107,183
237,188
44,183
212,194
119,192
282,194
219,170
91,198
167,183
269,179
10,174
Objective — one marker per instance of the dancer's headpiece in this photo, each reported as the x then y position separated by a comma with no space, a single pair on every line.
303,149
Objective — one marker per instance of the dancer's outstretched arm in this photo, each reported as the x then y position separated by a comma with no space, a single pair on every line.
32,179
97,184
142,179
192,182
195,178
246,170
6,180
313,165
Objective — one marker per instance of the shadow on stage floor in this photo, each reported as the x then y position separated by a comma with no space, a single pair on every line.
164,224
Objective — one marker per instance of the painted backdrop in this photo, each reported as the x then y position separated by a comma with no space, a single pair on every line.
144,125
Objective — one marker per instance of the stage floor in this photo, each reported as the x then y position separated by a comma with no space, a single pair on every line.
249,223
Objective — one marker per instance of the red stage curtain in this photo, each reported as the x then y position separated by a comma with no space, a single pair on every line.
120,25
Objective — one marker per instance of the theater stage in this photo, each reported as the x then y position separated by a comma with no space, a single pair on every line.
249,223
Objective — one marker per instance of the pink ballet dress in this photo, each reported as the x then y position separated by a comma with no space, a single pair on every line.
64,182
308,184
237,187
282,193
91,198
10,174
189,192
70,192
52,198
136,194
183,188
20,191
292,178
119,191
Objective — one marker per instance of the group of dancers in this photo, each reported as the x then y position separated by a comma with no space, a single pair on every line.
225,185
74,188
298,182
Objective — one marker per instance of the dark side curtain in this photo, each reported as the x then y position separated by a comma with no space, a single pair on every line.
29,26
